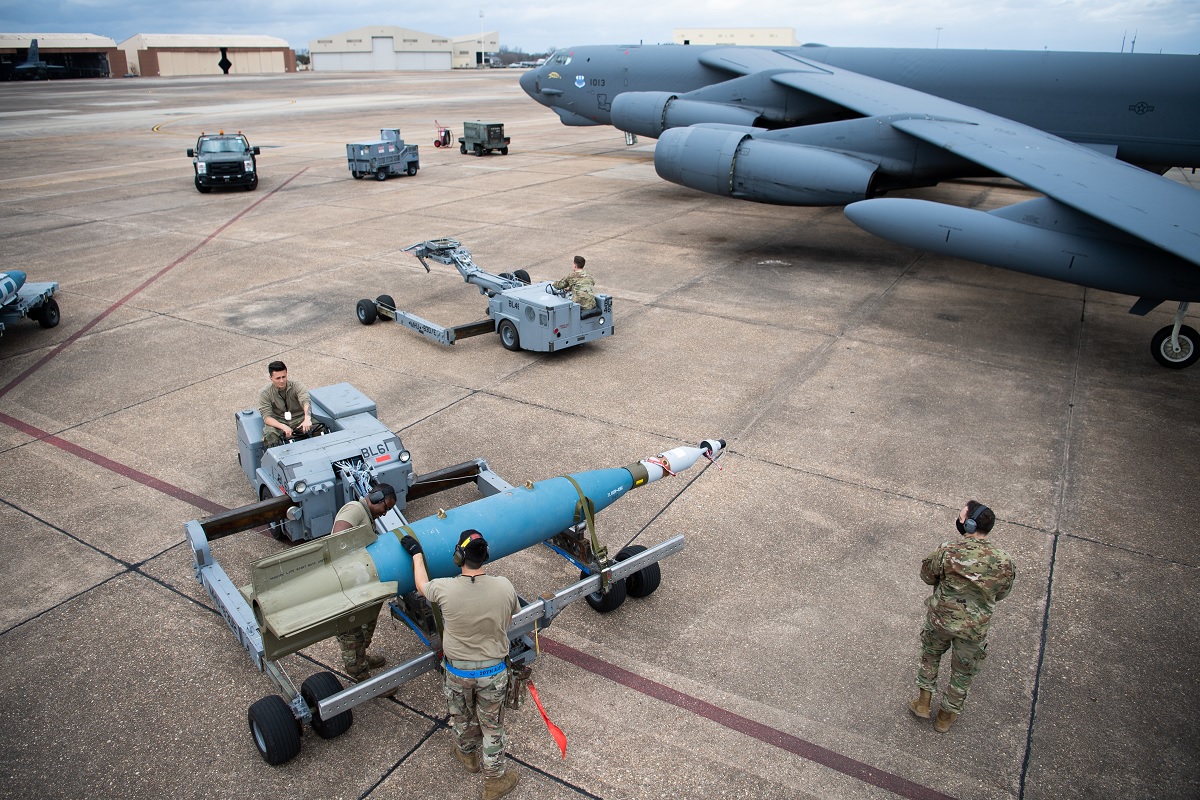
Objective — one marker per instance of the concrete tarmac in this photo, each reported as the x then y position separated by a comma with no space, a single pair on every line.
866,391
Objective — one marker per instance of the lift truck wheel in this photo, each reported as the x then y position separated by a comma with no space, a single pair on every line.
522,276
412,170
605,603
275,731
366,312
315,689
381,174
643,582
47,315
509,336
1164,354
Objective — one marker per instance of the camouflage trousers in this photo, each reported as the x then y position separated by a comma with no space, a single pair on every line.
477,717
354,646
966,659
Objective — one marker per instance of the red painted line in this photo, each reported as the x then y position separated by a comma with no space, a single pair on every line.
114,466
756,730
77,334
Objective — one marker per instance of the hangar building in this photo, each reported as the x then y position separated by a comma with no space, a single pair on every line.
84,55
385,48
167,54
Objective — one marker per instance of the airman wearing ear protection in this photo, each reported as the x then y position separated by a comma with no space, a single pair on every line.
364,511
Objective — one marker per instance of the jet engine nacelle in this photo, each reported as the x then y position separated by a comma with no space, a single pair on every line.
651,113
733,164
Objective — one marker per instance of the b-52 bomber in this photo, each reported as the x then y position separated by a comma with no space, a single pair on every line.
824,126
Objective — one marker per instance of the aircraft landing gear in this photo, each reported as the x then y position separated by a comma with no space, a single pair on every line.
1175,346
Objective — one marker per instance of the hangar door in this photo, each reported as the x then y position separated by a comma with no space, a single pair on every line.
382,58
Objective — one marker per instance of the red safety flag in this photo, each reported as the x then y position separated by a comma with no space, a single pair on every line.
555,731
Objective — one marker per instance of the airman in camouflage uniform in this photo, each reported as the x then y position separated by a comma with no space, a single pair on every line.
969,577
354,643
581,285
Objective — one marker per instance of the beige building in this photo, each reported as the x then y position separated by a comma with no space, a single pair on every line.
385,48
168,54
765,37
82,55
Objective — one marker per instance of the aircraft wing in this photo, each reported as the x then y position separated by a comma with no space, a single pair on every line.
1159,211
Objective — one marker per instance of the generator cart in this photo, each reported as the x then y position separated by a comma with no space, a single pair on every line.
527,316
483,137
389,155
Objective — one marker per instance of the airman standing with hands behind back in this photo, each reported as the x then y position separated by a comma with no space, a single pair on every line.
969,577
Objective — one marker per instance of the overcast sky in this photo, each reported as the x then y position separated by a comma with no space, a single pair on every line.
1168,26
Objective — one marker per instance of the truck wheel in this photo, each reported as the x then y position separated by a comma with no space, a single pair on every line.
275,731
643,582
508,335
201,188
48,314
605,603
252,185
381,174
315,689
366,312
503,151
522,276
412,170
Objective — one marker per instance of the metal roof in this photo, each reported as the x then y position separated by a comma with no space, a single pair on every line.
50,41
143,41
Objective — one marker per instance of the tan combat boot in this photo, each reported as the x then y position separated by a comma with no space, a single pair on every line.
469,760
494,788
358,671
944,720
375,662
920,706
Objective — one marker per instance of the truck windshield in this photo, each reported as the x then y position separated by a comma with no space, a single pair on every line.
223,146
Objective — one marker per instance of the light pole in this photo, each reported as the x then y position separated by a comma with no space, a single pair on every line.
936,41
480,63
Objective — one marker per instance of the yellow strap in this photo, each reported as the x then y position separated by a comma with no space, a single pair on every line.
586,509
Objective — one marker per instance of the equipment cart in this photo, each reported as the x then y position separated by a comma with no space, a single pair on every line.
19,299
389,155
483,137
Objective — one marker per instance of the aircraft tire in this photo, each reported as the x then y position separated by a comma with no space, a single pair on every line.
275,731
315,689
367,313
1189,340
604,603
48,315
509,336
643,582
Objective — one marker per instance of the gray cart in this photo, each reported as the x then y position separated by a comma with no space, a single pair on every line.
388,155
19,300
483,137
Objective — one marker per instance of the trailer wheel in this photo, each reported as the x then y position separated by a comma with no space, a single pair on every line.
643,582
381,174
48,314
366,312
315,689
503,151
275,731
385,302
412,170
522,276
605,603
509,336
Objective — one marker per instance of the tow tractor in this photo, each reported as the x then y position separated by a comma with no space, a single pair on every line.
334,582
526,315
19,299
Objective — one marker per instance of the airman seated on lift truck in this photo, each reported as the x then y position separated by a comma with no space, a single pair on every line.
483,137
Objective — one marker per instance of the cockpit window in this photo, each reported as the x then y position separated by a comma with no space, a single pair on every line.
561,58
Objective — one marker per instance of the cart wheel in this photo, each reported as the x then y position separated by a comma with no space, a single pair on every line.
366,312
437,142
522,276
503,151
412,170
385,302
478,150
462,148
315,689
48,314
643,582
605,603
381,174
508,335
275,731
357,176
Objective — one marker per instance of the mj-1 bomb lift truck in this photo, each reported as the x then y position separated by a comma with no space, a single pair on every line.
527,316
328,583
387,156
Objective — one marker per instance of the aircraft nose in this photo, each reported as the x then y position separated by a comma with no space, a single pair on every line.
529,83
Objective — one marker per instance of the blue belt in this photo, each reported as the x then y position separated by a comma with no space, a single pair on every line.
486,672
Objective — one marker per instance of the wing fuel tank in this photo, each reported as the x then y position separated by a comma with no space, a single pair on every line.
992,238
329,585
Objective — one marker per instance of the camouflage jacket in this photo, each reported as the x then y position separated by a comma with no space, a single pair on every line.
581,285
968,577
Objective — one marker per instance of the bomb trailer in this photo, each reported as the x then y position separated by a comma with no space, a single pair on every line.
325,584
526,315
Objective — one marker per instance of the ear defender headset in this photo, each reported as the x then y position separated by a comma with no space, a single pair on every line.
378,495
972,523
460,552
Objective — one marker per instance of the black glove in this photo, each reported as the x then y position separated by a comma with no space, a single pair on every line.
411,545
